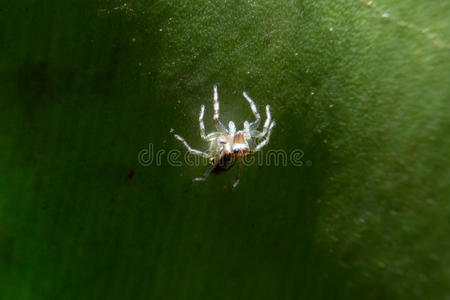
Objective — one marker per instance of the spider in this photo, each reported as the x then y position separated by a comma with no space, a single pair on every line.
226,145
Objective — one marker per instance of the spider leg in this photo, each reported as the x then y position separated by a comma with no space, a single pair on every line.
238,175
247,132
217,123
266,124
200,120
192,151
207,172
211,136
254,124
266,140
232,128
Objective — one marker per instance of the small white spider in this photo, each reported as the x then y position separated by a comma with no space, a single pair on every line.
226,146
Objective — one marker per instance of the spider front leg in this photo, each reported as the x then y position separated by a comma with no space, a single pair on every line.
217,123
266,140
192,151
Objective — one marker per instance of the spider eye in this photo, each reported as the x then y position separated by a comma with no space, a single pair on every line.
236,151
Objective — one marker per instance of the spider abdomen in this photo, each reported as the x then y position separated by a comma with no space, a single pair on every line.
225,163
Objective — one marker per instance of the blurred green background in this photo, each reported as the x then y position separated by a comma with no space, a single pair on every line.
362,88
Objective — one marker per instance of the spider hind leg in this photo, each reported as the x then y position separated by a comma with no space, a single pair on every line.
267,138
255,123
190,150
207,172
217,123
200,121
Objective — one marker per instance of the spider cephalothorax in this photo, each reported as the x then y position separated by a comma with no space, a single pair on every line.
226,145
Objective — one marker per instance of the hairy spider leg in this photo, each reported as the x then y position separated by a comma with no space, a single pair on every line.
238,174
192,151
200,120
217,123
266,140
254,124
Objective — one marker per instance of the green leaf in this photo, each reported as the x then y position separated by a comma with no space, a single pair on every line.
359,91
